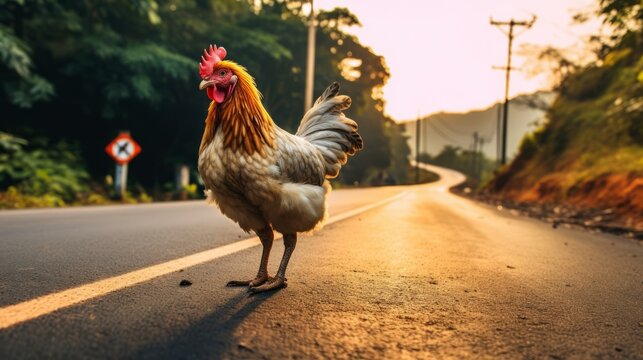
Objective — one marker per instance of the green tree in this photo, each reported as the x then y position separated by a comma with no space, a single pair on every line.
80,71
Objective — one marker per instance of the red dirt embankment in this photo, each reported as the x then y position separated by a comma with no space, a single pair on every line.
614,200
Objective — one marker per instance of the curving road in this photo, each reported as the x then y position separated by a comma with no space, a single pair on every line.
420,274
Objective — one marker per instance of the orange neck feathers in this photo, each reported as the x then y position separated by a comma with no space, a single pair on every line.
242,119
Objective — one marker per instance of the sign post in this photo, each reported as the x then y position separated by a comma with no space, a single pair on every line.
121,179
122,149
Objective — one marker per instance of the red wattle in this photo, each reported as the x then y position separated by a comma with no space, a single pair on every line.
215,94
219,96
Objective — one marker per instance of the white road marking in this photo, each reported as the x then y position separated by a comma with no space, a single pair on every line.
85,209
28,310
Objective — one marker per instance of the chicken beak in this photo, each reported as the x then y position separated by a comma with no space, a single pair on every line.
205,83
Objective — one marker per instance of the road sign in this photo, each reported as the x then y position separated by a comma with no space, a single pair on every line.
123,148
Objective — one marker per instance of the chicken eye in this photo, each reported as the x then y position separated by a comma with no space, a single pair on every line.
222,73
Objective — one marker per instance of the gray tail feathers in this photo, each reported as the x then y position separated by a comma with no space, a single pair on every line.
326,127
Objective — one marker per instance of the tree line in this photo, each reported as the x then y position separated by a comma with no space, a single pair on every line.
74,73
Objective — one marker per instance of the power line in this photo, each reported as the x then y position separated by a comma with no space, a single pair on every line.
512,23
444,123
582,38
443,135
463,133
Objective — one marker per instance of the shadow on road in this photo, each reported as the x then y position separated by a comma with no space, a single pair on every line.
213,336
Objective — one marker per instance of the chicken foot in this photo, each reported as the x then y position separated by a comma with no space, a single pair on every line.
266,236
279,281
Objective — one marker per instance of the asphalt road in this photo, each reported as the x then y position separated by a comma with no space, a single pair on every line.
425,275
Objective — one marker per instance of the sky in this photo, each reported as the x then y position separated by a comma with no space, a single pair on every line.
441,53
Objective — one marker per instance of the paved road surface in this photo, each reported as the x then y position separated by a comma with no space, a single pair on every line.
426,275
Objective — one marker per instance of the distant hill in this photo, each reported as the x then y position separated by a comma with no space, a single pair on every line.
438,130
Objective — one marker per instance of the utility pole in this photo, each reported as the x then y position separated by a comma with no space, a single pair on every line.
417,150
474,155
498,133
512,23
480,156
310,61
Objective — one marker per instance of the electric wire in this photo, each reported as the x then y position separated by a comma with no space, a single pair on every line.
443,135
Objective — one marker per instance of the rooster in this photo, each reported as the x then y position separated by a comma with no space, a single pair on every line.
261,176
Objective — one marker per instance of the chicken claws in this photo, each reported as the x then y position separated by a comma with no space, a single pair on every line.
273,284
259,280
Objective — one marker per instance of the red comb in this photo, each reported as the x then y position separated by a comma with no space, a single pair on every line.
210,59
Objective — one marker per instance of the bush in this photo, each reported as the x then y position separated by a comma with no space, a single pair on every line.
586,84
51,172
14,199
144,198
636,131
97,199
528,146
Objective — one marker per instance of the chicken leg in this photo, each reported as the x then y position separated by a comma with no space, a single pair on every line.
266,236
279,281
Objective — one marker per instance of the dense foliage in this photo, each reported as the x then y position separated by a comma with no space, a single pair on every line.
590,150
80,71
52,173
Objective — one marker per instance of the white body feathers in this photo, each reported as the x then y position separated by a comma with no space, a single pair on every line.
286,186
